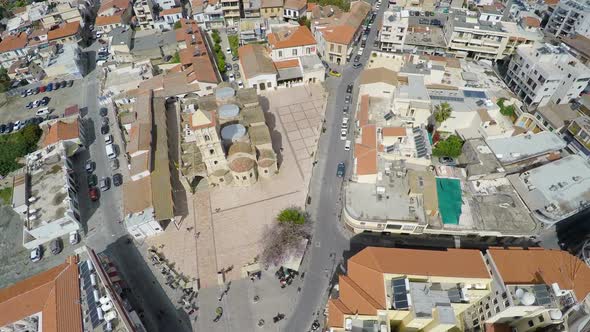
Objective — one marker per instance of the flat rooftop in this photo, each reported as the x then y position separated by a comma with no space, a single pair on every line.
516,148
556,190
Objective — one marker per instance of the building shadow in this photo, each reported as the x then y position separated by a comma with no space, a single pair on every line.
87,207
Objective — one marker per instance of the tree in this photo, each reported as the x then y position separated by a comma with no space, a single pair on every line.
4,80
177,25
450,147
284,236
442,112
175,58
304,21
234,43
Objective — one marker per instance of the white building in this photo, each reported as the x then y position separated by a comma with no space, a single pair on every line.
209,16
570,18
393,31
543,72
144,13
294,9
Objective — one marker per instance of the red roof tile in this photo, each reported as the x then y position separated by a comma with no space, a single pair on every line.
108,20
62,131
12,42
66,30
290,37
287,64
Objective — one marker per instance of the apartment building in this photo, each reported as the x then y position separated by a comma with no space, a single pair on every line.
13,48
393,289
578,136
231,11
144,15
570,17
288,42
250,9
294,9
579,46
393,31
208,15
271,9
543,73
61,13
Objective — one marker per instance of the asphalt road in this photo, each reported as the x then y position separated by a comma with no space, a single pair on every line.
329,243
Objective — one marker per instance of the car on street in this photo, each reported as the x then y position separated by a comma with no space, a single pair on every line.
349,88
103,111
228,50
104,121
348,99
104,183
43,111
74,238
90,166
227,67
231,77
360,51
117,179
108,139
63,84
92,180
70,83
347,145
334,73
340,170
237,74
345,109
240,85
93,194
104,129
236,67
344,123
55,246
36,254
36,91
114,164
446,160
343,134
357,65
357,58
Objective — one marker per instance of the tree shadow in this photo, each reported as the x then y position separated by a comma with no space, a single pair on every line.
275,135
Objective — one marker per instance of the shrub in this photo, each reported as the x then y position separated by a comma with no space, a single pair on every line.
450,147
16,145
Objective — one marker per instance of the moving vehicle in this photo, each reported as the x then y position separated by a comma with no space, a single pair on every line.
110,150
117,179
36,254
340,170
55,246
93,194
105,184
334,73
347,145
74,237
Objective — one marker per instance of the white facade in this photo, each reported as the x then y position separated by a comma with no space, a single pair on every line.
569,18
143,13
262,82
166,4
393,32
292,52
541,73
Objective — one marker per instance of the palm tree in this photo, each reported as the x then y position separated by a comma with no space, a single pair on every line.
442,112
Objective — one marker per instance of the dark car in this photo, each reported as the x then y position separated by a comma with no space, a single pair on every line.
92,180
117,179
93,193
348,99
55,246
104,129
23,93
349,88
235,58
90,166
56,86
9,127
340,170
103,111
63,84
345,109
357,65
446,160
228,67
49,87
363,44
70,83
37,120
45,101
2,128
104,121
37,90
29,105
357,58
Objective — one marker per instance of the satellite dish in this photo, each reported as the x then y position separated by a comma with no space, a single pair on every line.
519,293
528,299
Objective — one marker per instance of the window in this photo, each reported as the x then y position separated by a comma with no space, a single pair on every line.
244,177
220,179
339,48
215,162
280,54
207,138
541,319
294,52
531,324
211,151
268,85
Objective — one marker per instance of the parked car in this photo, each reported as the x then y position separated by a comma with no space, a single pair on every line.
70,83
117,179
74,238
2,128
93,193
55,246
49,87
43,111
343,134
231,77
235,58
237,74
446,160
347,145
9,127
236,67
240,85
357,65
108,139
348,99
45,100
92,180
36,91
228,50
29,105
104,121
63,84
360,51
349,88
103,111
114,164
227,67
104,129
23,93
104,183
340,170
90,166
345,109
42,88
357,58
18,125
36,254
37,120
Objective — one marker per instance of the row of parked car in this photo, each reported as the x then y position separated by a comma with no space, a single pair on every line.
18,125
46,88
55,246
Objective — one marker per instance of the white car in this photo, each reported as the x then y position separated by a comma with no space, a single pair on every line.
343,134
231,77
228,50
360,52
36,254
18,125
43,111
240,85
74,237
108,139
347,145
345,123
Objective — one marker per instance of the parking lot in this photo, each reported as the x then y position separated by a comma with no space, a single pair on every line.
14,109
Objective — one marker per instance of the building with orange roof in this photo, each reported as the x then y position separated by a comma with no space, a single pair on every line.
13,47
63,130
335,31
113,14
287,42
68,32
458,289
106,24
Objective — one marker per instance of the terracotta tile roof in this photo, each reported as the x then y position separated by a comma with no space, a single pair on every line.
366,151
551,2
290,37
140,138
195,58
356,298
108,20
171,11
295,4
11,42
118,4
61,131
66,30
531,22
519,266
271,3
393,131
54,293
336,310
255,61
339,34
287,64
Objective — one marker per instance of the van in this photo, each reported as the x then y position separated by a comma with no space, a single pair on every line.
110,149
